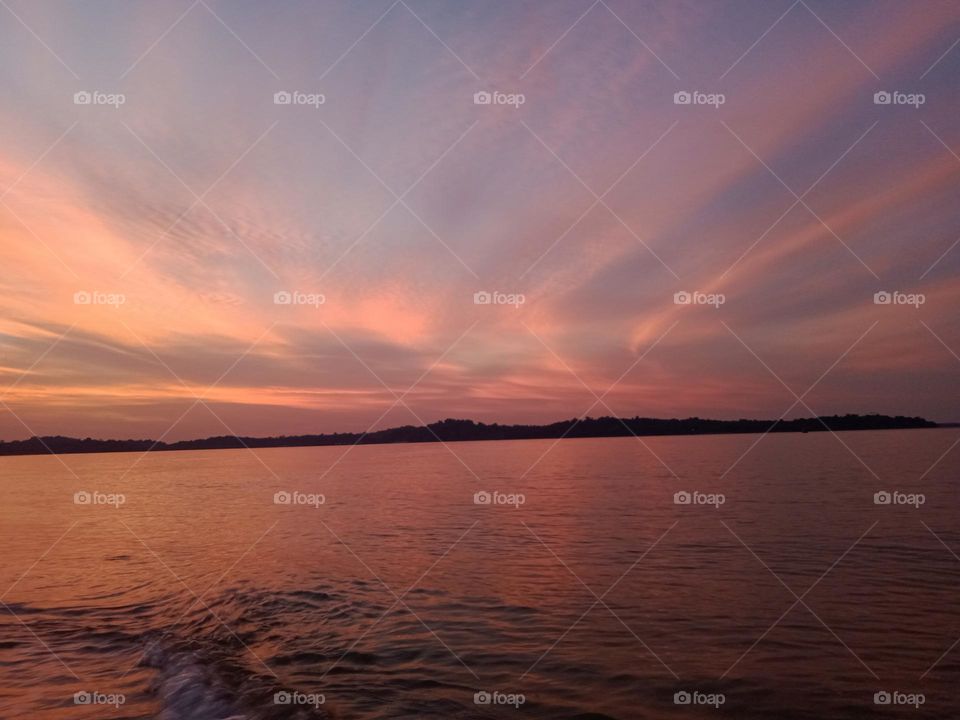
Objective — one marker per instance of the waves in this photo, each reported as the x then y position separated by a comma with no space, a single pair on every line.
192,685
402,599
353,652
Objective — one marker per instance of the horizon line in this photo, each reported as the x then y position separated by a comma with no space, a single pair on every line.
467,430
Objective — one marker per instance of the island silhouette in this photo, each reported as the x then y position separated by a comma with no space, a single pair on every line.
452,430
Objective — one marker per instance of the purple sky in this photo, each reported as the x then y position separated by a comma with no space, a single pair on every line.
144,235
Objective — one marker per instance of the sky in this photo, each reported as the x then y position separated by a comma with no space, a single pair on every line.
183,254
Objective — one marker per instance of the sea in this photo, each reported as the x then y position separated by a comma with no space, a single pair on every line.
783,576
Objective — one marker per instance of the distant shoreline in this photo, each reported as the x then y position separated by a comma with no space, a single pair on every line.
468,431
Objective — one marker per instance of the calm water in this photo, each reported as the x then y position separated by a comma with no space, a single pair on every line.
400,597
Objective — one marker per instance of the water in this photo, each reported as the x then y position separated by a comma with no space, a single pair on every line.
399,597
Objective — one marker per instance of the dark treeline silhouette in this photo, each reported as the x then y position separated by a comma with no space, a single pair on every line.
463,430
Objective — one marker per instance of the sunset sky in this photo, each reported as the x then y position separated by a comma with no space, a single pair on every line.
398,198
